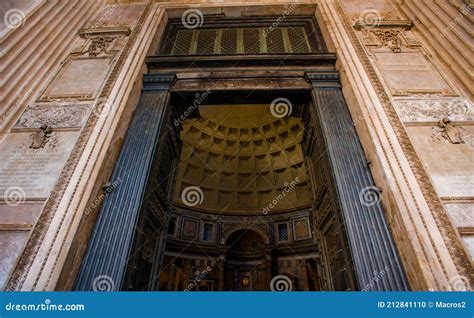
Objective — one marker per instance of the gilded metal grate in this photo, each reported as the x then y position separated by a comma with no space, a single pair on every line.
182,43
206,41
251,39
299,42
276,42
228,43
241,41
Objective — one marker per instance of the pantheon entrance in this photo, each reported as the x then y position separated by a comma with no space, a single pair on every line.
242,167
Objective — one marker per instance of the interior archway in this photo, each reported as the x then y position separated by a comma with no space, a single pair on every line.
246,263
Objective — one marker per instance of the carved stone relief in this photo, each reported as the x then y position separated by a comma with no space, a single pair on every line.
390,39
41,137
56,116
417,110
99,45
448,131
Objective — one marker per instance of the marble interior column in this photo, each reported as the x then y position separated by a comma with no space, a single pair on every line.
375,258
106,258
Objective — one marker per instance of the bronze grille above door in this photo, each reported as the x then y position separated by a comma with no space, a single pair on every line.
241,41
229,36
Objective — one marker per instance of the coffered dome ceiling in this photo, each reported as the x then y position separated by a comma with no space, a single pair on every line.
244,160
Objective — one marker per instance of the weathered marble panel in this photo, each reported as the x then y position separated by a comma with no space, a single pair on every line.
80,78
56,116
417,110
469,245
409,72
25,213
461,214
31,173
449,165
11,245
